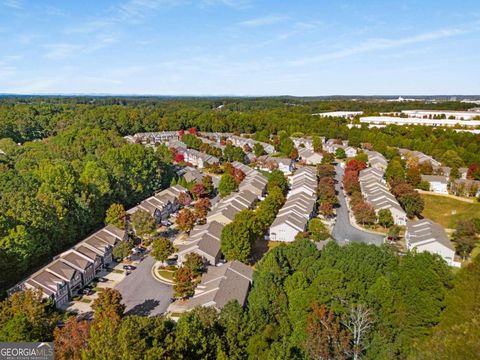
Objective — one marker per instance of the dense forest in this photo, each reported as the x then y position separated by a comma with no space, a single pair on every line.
351,302
63,162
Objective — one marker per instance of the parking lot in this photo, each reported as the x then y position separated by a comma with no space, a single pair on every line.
142,293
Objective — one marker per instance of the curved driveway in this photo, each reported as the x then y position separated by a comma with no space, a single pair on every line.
343,231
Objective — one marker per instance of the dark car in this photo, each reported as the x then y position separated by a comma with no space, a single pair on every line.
87,291
129,267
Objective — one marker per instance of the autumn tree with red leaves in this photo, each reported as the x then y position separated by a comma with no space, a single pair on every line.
326,337
72,339
185,220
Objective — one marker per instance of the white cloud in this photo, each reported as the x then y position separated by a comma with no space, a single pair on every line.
382,44
263,21
13,4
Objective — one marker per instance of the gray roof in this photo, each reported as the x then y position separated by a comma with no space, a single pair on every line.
222,284
435,178
427,230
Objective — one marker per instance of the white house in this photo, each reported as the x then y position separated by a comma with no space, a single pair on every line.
438,183
425,235
300,206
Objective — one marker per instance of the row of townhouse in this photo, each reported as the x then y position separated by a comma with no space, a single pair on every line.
376,192
376,160
332,145
419,156
222,282
426,235
269,163
241,142
304,143
215,136
75,268
299,207
204,240
198,158
161,205
152,138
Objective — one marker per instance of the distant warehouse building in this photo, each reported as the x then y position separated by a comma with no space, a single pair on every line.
386,120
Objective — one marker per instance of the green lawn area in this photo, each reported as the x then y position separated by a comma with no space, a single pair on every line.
117,271
166,274
447,211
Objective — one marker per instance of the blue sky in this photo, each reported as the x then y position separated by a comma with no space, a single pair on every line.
240,47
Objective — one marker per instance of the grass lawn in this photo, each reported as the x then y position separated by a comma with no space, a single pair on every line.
447,211
166,274
117,271
86,301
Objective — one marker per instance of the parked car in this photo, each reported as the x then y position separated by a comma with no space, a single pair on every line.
128,272
101,279
87,291
166,223
129,267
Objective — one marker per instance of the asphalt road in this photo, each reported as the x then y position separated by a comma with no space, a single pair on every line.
343,231
142,293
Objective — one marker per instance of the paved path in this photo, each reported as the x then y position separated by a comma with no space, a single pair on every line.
343,231
142,294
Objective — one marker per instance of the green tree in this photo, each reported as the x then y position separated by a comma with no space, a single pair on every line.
162,249
340,153
235,242
25,316
395,171
227,185
116,215
317,143
258,150
123,249
208,185
317,229
143,223
385,218
277,178
195,263
452,159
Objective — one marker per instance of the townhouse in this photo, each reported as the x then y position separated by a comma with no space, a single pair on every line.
269,163
152,138
331,145
465,187
437,183
219,285
376,160
75,268
304,143
161,205
426,235
299,207
204,240
376,192
419,156
198,158
309,157
241,142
